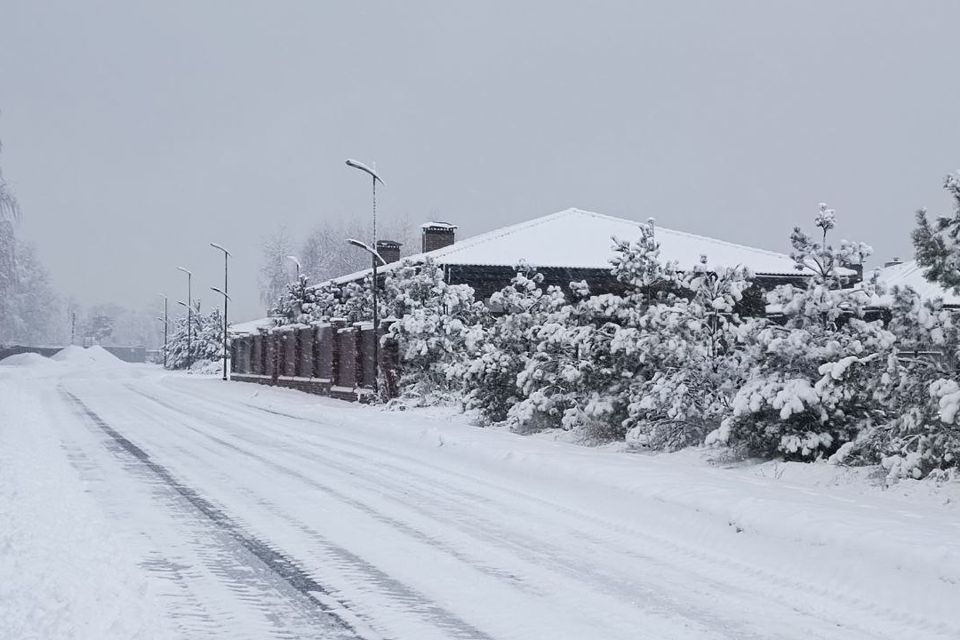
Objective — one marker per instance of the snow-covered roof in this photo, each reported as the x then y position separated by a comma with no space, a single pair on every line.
581,239
910,274
250,327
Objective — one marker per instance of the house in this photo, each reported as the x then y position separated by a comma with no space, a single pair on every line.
571,245
910,274
567,246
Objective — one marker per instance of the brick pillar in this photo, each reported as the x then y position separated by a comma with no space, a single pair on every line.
271,356
289,353
347,357
365,353
235,365
336,324
306,340
326,348
256,366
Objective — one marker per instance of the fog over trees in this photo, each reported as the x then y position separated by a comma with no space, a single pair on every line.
324,253
33,313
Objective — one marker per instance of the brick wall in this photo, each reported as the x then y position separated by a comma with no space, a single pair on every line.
330,359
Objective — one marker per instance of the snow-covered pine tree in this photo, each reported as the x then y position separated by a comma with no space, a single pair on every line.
356,301
591,356
551,382
431,324
500,352
296,303
204,348
699,365
921,383
937,244
922,434
626,351
811,385
325,303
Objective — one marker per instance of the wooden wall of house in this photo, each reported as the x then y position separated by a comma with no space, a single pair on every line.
486,280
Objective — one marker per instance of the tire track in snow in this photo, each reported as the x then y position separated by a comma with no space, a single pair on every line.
413,532
321,447
451,510
282,566
409,598
540,553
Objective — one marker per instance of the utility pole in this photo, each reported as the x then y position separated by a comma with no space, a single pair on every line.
166,325
373,249
226,298
189,316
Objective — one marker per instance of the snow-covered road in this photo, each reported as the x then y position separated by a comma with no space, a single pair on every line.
138,504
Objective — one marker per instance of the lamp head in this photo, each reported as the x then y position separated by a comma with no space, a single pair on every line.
362,167
217,246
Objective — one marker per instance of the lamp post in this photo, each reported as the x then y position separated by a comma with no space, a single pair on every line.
166,324
376,258
295,261
189,306
226,256
225,298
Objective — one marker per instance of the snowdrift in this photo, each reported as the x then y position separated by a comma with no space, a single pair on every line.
25,360
101,356
72,353
91,355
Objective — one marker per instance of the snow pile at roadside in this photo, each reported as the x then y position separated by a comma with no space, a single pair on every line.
95,355
101,356
25,360
72,353
207,368
63,573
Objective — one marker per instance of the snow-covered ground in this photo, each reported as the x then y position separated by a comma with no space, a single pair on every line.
137,504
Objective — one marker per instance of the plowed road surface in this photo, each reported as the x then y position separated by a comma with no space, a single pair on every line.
138,504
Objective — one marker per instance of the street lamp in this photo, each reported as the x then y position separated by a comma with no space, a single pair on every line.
189,306
376,338
225,298
368,249
166,324
226,256
376,318
296,262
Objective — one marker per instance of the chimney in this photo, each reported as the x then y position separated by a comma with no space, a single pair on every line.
893,263
389,250
437,235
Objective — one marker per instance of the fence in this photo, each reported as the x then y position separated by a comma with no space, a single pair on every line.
333,359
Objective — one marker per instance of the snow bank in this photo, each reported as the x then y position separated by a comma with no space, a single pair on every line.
63,571
72,353
25,360
92,355
101,356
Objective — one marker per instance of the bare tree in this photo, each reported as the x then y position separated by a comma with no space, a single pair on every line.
9,207
325,253
273,270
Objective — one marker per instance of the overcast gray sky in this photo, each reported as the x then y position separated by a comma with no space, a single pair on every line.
135,133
